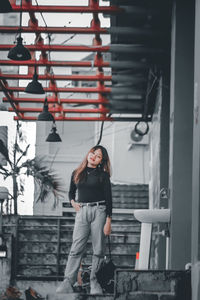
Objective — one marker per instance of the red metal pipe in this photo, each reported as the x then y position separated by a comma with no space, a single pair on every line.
95,21
84,30
99,77
66,90
41,47
41,62
62,118
57,110
60,30
54,100
97,42
67,9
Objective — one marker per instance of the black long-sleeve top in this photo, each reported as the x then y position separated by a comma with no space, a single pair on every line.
96,187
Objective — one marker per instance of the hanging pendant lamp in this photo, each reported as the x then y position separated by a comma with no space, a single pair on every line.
19,52
45,115
53,135
34,87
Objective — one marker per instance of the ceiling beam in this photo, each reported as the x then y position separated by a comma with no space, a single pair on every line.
62,110
60,48
88,119
113,48
116,65
43,62
66,9
130,31
65,90
98,77
58,100
59,30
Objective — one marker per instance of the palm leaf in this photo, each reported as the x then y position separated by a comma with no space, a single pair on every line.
23,154
47,180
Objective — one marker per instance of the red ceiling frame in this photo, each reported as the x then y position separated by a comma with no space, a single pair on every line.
98,77
56,100
97,90
45,62
60,30
42,47
93,7
55,103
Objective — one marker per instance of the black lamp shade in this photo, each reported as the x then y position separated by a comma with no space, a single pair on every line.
19,52
5,6
45,115
34,87
53,136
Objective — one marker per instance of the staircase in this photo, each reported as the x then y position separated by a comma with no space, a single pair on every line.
42,245
152,285
142,285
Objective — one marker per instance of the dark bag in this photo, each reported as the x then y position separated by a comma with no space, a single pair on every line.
105,274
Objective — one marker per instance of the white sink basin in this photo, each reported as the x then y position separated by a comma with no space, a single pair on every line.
152,215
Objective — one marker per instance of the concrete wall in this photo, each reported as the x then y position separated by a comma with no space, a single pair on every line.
129,160
64,157
153,285
181,131
159,160
5,264
195,245
154,182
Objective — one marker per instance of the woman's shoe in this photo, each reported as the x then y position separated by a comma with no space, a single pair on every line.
95,288
65,287
31,294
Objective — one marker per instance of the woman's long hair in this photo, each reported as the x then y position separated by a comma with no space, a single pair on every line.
80,173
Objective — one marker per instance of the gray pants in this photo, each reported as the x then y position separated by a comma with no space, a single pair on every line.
89,219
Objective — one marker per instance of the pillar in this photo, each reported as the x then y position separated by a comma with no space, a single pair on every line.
195,245
181,128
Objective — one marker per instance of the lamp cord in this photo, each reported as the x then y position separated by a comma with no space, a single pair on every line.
20,18
101,131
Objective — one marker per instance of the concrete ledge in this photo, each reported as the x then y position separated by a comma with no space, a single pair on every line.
78,296
152,284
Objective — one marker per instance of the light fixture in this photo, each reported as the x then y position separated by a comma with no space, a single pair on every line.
34,87
53,135
5,6
142,128
45,115
3,247
3,251
135,136
19,52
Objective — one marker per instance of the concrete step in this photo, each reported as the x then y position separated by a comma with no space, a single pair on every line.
152,285
78,296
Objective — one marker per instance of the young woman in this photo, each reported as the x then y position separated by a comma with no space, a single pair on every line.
93,215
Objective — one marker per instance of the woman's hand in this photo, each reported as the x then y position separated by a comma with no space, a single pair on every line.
75,205
107,226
